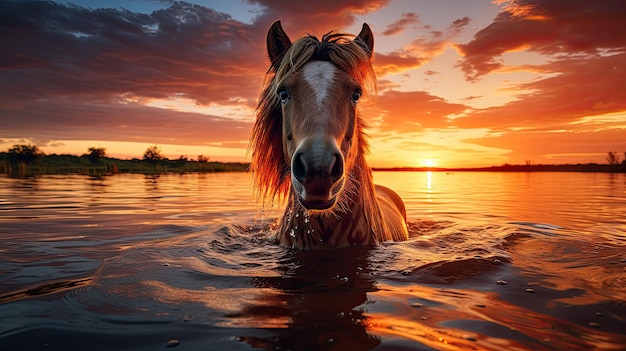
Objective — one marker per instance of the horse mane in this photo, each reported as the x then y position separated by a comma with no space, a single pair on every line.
271,172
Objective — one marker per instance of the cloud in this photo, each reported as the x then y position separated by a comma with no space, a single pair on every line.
583,80
68,119
584,87
186,50
542,146
399,25
549,27
414,111
419,51
318,18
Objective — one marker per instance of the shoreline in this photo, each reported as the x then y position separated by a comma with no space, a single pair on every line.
70,164
591,167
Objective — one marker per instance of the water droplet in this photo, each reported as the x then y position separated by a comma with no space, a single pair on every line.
292,233
530,290
594,325
344,279
501,282
417,305
599,314
172,343
497,261
297,215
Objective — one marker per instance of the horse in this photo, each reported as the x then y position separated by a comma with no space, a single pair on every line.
309,144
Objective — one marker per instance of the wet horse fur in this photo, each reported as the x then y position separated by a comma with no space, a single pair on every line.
308,144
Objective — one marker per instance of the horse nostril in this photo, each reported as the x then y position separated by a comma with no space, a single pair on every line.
299,167
336,168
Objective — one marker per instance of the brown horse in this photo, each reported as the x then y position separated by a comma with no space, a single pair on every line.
308,144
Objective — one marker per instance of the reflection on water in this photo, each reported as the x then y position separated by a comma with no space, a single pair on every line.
497,261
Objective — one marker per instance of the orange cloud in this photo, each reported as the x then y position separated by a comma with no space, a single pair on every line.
565,27
419,51
414,111
584,87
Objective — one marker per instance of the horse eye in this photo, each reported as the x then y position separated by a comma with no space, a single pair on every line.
356,95
283,94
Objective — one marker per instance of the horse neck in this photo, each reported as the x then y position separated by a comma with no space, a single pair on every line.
358,223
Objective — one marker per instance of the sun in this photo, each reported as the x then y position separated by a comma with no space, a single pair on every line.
428,163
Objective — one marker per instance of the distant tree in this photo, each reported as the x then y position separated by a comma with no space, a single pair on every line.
24,153
153,154
613,158
203,159
96,153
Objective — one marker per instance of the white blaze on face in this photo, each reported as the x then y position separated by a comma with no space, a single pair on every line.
319,75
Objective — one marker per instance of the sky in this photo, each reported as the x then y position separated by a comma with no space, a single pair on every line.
466,83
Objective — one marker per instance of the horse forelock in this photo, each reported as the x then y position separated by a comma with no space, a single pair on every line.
271,171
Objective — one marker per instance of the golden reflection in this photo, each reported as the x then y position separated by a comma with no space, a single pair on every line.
429,186
443,317
233,303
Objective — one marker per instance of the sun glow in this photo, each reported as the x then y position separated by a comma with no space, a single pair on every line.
428,163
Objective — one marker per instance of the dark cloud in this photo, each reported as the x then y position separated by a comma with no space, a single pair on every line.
186,50
317,18
399,25
67,119
551,27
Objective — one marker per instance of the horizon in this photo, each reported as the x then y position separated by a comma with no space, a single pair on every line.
618,162
461,84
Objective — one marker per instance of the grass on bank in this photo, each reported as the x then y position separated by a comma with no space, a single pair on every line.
70,164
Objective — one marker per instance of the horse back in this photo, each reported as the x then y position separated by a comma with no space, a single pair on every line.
393,212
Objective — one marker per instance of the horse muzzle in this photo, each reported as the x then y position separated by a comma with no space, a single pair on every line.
317,172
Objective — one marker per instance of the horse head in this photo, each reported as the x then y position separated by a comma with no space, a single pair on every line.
317,86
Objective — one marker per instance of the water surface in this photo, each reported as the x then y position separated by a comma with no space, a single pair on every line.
496,261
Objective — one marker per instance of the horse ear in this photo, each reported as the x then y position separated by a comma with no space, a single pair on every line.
277,42
367,37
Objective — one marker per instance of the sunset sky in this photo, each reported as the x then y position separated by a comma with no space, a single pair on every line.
460,83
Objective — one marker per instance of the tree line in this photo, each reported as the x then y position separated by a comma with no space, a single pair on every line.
22,160
30,153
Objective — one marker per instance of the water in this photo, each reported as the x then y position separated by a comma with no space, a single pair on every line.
497,261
